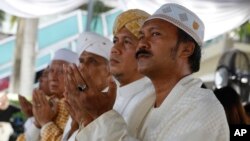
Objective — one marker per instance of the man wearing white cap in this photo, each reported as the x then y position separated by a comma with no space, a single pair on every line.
94,51
168,53
51,114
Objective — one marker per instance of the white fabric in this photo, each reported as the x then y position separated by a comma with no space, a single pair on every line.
133,102
5,131
67,128
182,18
38,8
32,133
66,55
189,113
94,43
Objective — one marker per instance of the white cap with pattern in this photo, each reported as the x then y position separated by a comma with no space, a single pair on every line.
94,43
182,18
66,55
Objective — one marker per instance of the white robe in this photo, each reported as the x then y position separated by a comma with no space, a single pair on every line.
188,113
129,105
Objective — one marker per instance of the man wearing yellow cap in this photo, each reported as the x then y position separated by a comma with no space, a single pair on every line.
168,53
134,89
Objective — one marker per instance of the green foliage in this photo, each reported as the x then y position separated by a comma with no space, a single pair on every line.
243,31
99,7
2,14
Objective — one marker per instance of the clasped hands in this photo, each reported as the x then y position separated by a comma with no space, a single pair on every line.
84,102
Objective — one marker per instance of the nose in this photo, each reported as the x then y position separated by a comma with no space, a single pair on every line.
143,44
115,49
52,76
81,66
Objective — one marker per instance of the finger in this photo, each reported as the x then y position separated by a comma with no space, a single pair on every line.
72,87
65,77
54,106
78,77
112,88
85,75
70,73
40,99
34,97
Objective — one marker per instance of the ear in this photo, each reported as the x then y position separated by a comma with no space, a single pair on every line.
187,49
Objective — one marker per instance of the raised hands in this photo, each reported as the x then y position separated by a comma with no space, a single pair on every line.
26,106
44,110
83,95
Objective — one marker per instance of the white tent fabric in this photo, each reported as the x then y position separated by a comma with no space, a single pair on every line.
38,8
219,16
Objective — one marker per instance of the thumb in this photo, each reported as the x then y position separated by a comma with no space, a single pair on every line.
54,105
112,88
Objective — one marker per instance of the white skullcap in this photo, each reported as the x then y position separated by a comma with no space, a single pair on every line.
94,43
182,18
66,55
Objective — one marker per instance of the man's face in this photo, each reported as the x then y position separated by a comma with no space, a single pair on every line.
97,67
56,78
44,82
122,60
157,50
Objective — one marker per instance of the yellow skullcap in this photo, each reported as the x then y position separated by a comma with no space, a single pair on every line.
132,20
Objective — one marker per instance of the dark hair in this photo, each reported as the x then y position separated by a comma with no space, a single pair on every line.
231,102
194,59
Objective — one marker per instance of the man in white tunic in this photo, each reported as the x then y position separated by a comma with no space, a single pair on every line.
168,53
134,89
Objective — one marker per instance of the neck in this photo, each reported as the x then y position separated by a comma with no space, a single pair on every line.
127,80
163,85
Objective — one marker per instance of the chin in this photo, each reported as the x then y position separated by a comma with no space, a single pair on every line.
143,70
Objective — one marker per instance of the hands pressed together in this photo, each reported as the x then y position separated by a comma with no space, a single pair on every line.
84,102
44,110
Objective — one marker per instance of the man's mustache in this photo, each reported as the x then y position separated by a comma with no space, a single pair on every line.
142,51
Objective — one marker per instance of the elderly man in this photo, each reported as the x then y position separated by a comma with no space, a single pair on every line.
94,51
134,89
31,129
51,114
168,53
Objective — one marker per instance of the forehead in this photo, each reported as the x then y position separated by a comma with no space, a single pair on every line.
87,54
57,63
158,24
125,33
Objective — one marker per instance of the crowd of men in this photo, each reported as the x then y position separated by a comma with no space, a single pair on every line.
138,88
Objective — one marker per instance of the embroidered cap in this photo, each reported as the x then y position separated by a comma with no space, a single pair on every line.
182,18
94,43
66,55
132,19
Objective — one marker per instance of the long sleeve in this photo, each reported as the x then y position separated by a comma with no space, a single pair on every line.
54,130
108,127
32,133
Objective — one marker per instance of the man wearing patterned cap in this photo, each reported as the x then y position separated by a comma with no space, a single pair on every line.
168,53
134,89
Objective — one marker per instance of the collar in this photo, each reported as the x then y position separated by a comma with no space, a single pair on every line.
132,88
179,89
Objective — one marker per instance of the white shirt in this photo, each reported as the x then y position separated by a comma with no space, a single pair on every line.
188,113
32,133
133,102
